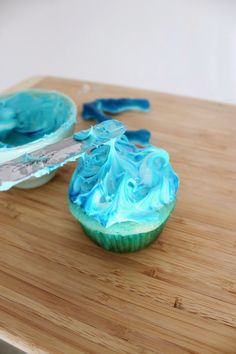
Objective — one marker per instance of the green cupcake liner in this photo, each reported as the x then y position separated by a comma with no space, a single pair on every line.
122,244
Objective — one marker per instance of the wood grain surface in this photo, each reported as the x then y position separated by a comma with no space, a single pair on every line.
60,293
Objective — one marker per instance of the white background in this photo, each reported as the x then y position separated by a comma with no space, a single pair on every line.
186,47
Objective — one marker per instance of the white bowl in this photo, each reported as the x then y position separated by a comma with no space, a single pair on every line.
65,125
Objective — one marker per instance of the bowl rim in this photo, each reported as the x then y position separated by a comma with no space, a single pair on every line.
71,120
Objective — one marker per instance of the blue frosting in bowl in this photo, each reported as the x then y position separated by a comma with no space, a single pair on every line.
32,115
119,182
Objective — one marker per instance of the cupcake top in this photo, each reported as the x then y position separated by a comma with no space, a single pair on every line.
119,182
29,115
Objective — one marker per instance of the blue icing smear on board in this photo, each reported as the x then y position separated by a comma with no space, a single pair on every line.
30,115
99,108
119,182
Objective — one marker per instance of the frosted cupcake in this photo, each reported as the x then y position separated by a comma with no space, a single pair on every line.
123,195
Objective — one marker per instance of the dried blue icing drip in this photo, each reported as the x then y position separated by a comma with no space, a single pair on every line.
30,115
97,110
120,182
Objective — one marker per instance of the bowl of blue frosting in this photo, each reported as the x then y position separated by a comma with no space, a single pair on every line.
33,119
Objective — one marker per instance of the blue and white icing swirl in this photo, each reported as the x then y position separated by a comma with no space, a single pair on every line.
120,182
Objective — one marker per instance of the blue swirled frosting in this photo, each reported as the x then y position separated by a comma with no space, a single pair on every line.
120,182
30,115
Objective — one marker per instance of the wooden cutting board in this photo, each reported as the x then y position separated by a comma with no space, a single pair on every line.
60,293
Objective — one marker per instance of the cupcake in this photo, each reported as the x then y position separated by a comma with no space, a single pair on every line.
123,195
